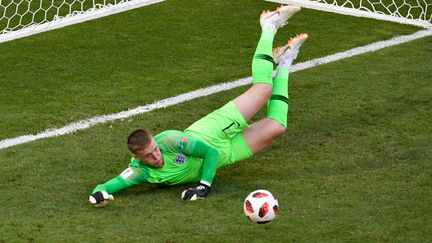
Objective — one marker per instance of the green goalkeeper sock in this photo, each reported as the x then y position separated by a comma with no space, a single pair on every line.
262,63
278,103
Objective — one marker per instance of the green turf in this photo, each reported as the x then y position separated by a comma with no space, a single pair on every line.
354,164
108,65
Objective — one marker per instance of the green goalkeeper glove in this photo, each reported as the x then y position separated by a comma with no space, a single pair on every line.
100,199
193,194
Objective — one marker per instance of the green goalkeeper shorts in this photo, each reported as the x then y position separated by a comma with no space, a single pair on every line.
223,129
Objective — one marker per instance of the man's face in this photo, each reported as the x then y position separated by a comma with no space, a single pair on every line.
150,155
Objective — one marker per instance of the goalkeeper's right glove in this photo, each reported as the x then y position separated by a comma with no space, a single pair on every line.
100,198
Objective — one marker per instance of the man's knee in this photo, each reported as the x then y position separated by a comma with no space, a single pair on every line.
265,91
279,130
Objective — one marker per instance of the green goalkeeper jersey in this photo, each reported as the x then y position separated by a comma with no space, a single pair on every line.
186,159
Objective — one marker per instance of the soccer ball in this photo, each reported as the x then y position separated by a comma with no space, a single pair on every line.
260,206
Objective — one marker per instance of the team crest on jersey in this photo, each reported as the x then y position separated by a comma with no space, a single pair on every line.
180,159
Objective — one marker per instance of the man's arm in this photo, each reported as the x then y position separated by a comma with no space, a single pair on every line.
210,159
191,146
103,192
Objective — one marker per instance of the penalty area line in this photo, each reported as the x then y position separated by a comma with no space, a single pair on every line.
87,123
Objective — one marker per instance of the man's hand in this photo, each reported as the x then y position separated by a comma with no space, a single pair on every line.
100,199
193,194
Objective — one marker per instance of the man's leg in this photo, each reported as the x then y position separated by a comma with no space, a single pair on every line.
260,134
262,64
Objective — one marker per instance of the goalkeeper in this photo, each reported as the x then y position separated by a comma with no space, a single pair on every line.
221,138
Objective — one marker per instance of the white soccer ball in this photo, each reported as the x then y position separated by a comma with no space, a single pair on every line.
260,206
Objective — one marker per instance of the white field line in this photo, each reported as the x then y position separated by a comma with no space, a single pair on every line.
86,123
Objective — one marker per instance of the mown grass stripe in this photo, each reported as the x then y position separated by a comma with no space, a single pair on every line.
87,123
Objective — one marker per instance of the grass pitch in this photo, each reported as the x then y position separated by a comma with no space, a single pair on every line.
354,164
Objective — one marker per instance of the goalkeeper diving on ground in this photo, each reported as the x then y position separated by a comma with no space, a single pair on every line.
224,136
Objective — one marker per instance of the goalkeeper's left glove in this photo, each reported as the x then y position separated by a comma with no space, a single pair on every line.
193,194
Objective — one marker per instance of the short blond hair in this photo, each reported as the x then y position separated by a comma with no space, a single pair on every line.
138,139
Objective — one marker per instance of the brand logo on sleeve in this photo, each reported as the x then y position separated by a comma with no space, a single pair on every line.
128,174
180,159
